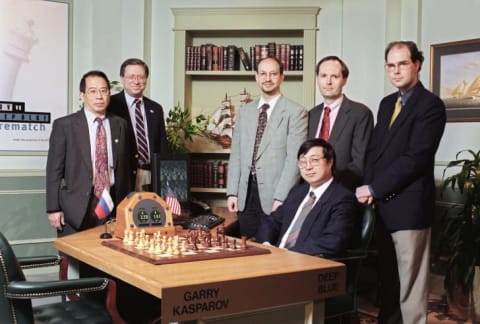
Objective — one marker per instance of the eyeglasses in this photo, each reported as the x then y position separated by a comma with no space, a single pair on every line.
93,91
272,75
133,78
400,65
313,160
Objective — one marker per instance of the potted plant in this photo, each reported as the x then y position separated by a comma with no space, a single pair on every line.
461,234
181,127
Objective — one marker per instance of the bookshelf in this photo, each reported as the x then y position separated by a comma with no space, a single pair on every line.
206,92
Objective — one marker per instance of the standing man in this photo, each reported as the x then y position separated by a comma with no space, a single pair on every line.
319,215
399,178
144,117
88,152
344,123
263,164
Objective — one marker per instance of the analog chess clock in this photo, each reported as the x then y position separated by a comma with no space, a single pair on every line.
143,211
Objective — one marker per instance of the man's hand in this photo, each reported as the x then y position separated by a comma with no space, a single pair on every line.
364,196
232,204
276,204
56,220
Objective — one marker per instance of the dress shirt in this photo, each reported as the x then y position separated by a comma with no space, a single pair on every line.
92,132
334,109
318,193
271,104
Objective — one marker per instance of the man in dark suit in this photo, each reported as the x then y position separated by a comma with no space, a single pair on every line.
326,227
399,177
134,74
71,171
349,124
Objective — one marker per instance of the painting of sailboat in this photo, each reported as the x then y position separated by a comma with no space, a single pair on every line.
455,78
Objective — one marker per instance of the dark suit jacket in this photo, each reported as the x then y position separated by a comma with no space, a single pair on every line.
400,160
349,137
328,228
157,136
69,165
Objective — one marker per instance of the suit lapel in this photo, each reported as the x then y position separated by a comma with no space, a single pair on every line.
315,120
115,134
341,121
80,127
272,125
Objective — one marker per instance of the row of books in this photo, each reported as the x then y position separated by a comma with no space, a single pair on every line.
208,174
210,57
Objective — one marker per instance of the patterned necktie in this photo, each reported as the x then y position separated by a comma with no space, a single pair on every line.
396,111
262,122
142,146
325,129
295,230
102,178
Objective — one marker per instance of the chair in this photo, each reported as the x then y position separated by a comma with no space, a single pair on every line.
344,308
16,293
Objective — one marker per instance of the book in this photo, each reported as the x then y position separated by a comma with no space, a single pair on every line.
245,59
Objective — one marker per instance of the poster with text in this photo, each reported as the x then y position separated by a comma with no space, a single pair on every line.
34,72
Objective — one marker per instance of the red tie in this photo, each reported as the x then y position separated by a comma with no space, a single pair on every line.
102,178
325,129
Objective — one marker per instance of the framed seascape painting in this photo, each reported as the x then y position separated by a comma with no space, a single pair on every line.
455,78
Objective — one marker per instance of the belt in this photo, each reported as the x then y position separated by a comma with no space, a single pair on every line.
145,166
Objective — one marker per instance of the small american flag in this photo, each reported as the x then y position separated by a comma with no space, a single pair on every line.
173,202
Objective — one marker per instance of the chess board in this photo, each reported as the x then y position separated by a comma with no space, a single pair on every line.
188,248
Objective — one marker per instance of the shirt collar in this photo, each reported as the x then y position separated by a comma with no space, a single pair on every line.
271,103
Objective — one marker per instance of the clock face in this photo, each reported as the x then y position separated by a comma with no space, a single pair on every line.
148,212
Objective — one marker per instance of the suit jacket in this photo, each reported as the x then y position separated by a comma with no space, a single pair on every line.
349,137
70,170
157,136
400,160
276,163
328,227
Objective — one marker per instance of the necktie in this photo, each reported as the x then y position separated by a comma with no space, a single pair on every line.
295,230
142,146
396,111
262,122
325,129
102,178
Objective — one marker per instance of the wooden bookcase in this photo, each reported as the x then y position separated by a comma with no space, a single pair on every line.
204,92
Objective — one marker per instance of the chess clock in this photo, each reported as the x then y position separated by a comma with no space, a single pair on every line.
143,211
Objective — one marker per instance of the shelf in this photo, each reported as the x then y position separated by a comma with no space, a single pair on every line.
208,190
249,74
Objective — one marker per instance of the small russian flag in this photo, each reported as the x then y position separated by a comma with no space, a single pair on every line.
105,205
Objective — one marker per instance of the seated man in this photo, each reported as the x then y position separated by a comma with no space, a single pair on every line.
319,215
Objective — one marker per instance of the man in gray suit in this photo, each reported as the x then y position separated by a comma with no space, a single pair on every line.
348,126
71,156
263,164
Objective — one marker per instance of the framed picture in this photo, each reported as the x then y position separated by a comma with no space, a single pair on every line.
455,78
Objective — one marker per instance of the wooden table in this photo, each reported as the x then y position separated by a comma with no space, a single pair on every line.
205,289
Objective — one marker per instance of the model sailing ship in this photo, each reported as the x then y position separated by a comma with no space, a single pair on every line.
222,122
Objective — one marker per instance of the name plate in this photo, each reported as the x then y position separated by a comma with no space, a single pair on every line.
229,297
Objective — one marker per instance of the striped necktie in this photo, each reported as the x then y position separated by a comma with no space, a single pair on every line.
296,227
142,146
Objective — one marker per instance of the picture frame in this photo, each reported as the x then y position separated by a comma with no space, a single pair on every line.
455,78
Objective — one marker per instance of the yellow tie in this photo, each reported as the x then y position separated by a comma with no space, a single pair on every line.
396,111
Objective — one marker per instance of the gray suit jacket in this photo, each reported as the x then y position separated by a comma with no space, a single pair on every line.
276,165
70,170
349,137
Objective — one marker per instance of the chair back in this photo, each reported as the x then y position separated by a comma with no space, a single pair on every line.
18,310
368,226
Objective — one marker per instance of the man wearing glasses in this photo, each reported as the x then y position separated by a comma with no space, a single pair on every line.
144,117
399,180
319,215
267,134
88,153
